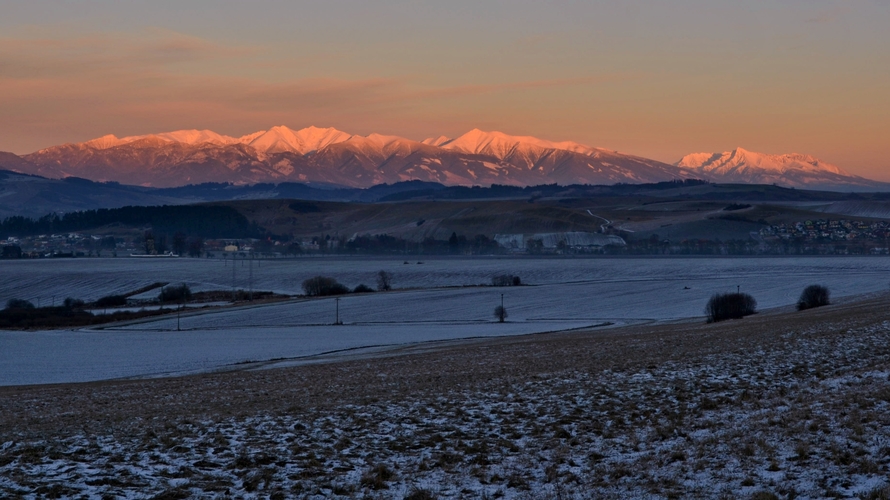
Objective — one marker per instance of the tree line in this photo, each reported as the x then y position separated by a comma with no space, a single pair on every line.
204,221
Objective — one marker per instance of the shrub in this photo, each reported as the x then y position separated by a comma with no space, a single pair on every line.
384,281
362,289
71,303
377,477
420,494
500,313
111,301
179,293
322,285
505,280
730,306
19,304
813,296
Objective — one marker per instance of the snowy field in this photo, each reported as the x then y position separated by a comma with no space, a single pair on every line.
561,294
86,355
775,406
89,279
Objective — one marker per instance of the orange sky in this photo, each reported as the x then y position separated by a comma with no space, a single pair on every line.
654,78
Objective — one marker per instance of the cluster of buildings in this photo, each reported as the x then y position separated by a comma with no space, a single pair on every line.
828,236
825,230
60,245
87,245
818,236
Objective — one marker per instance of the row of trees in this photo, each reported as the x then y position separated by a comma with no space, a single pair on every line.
205,221
179,243
723,306
387,244
319,286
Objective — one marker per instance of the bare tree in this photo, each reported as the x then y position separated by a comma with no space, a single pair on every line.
500,313
148,243
179,243
384,281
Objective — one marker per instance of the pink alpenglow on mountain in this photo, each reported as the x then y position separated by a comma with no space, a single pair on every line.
789,170
328,155
281,139
476,158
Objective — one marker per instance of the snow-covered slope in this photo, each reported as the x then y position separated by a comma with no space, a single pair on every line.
332,156
328,155
275,140
436,141
790,170
281,139
503,146
564,162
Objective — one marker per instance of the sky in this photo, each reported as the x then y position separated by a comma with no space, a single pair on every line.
655,78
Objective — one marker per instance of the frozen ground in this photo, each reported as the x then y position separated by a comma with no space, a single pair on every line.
790,405
561,294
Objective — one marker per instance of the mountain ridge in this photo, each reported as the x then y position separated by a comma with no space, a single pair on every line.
799,170
331,156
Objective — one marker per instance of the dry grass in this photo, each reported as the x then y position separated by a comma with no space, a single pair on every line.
775,405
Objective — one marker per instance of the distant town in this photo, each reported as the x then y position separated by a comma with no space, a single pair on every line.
808,237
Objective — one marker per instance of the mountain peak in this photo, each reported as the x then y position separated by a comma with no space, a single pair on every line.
104,142
741,165
193,136
436,141
280,139
502,145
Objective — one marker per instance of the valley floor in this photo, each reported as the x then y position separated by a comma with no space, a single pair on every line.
781,404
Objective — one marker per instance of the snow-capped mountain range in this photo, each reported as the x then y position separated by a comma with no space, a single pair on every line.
328,155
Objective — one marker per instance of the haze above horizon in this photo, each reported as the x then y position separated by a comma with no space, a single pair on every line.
655,79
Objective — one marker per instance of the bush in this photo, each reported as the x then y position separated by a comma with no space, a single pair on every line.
730,306
500,313
71,303
384,281
505,280
362,289
377,477
322,285
179,293
420,494
111,301
19,304
813,296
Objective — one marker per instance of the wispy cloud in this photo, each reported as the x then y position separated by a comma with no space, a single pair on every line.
831,15
158,80
93,55
467,90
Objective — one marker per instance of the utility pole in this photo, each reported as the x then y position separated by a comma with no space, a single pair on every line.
250,279
738,289
337,318
233,278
